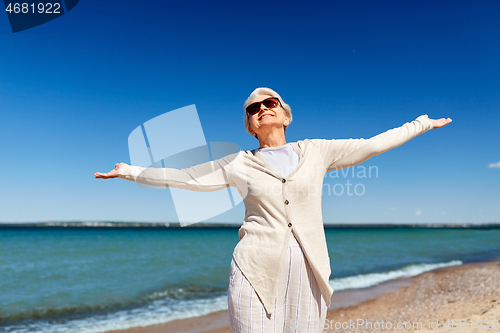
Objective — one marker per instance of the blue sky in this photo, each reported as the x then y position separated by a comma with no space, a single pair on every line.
73,89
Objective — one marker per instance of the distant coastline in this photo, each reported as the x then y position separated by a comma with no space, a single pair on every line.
76,224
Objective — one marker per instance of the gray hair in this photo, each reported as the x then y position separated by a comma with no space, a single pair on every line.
267,92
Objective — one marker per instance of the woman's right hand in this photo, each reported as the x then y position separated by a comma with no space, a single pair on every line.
111,174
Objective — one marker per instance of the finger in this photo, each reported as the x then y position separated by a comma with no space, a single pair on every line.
442,122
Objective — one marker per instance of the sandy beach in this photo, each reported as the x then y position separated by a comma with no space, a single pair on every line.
453,299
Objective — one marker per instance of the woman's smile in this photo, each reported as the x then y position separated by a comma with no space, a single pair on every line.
265,116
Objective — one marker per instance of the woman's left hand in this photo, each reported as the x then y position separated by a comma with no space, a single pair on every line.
439,122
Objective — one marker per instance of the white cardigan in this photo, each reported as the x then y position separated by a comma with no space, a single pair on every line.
276,205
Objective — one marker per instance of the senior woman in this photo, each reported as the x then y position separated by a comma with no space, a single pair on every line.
280,268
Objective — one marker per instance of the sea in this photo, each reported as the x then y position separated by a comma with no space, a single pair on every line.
90,280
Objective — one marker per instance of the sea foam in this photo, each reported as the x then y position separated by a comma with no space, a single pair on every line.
371,279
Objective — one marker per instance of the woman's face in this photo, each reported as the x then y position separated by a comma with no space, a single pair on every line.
266,118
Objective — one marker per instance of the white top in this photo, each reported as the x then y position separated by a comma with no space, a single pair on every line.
283,158
275,205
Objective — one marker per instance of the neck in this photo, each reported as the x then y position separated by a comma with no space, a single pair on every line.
274,138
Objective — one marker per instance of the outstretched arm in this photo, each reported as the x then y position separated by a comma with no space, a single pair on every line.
340,154
205,177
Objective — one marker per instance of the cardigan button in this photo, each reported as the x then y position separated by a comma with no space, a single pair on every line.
283,181
289,225
286,202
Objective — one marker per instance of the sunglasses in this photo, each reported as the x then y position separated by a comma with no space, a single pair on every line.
269,103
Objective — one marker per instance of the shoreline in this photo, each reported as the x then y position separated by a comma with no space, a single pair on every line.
470,291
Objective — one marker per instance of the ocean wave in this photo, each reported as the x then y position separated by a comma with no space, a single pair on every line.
371,279
192,292
152,308
180,303
159,311
155,312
